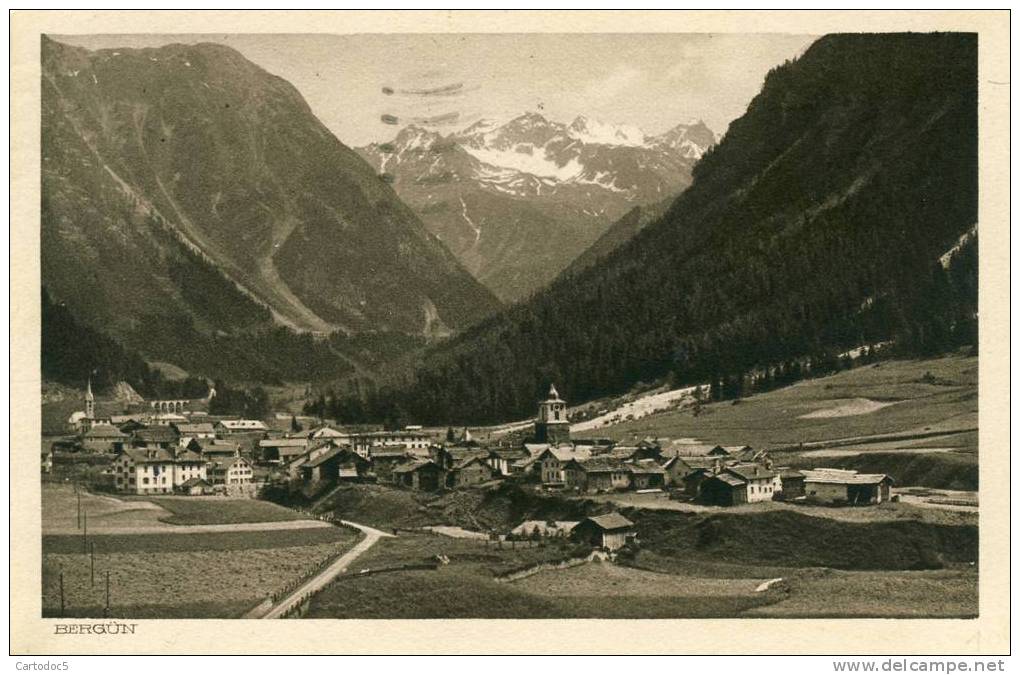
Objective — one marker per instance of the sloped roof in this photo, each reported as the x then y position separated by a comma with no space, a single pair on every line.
224,463
189,456
283,443
843,477
566,453
622,451
602,464
701,462
750,471
729,479
611,521
148,456
104,431
463,454
123,419
470,460
385,452
244,425
192,482
318,460
216,446
413,465
156,434
536,449
693,450
646,466
325,430
509,453
192,429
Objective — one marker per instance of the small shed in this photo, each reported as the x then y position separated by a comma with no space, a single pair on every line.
611,531
195,486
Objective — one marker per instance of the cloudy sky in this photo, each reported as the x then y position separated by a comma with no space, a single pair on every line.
451,80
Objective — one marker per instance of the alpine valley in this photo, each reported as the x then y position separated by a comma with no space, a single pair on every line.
518,201
194,208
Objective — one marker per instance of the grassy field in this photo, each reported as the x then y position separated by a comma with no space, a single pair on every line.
176,582
788,539
601,579
836,594
503,508
60,504
653,585
60,509
886,511
924,396
467,587
220,510
197,541
176,573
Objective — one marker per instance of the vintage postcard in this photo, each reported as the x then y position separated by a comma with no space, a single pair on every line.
455,331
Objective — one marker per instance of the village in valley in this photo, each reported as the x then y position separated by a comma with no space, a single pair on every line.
585,500
177,448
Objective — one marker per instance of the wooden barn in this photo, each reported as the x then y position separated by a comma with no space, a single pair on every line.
419,474
469,471
841,486
611,531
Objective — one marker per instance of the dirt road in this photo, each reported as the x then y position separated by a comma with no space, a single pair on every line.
317,582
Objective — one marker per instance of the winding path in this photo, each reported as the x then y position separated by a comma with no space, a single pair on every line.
317,582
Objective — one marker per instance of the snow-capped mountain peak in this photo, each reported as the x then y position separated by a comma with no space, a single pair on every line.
594,131
517,200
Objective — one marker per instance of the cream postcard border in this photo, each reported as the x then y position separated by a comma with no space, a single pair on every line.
988,634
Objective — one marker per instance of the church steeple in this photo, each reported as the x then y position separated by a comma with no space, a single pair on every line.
90,401
551,425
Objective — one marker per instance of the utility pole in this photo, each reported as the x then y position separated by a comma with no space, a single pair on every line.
107,611
85,533
61,594
92,564
76,492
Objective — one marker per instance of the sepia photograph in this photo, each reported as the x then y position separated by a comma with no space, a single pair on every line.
461,324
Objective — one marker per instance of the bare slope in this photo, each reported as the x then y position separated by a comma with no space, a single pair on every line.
163,165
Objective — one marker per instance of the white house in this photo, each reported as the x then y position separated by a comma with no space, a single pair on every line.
231,471
145,471
240,426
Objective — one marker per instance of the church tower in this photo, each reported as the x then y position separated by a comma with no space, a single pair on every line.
551,425
90,402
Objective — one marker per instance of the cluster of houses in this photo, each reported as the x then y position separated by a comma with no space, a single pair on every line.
175,449
712,474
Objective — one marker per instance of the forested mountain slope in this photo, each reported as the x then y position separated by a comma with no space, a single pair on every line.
818,222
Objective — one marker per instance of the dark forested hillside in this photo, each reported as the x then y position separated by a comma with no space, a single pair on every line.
822,220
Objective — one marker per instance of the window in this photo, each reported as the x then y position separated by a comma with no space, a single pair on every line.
145,481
